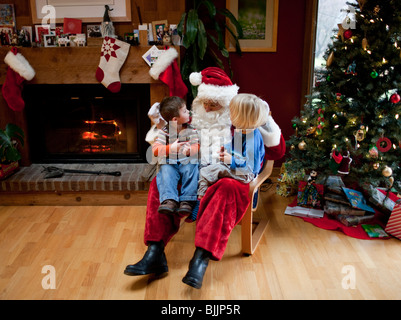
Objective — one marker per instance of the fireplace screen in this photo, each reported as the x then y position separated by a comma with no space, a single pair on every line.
70,123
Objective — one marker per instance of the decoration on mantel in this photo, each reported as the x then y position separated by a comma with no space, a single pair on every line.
113,55
18,71
107,28
166,69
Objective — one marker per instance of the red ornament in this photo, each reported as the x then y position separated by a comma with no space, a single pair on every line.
395,98
347,34
383,144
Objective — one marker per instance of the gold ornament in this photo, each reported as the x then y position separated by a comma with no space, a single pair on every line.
387,172
341,31
376,166
361,4
391,180
330,59
364,44
302,145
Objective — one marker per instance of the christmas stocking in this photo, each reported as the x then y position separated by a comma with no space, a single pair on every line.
18,71
113,55
335,161
166,70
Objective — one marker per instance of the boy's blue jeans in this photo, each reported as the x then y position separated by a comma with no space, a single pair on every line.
170,175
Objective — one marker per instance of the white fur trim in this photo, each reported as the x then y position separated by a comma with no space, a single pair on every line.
221,94
163,62
271,133
195,78
20,65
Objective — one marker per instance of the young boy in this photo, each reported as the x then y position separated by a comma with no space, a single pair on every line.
241,159
176,145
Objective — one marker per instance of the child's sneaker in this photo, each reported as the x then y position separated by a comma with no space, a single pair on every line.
168,206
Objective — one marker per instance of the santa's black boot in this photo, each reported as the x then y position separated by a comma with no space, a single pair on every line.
154,261
197,268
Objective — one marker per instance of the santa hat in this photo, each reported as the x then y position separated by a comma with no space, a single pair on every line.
166,69
215,85
18,71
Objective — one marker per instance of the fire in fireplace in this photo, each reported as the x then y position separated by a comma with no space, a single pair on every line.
87,123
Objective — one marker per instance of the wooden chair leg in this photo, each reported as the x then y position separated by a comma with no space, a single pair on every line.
251,236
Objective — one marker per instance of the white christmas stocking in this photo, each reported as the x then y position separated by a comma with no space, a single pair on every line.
113,55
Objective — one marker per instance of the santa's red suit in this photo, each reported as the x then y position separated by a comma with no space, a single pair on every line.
225,202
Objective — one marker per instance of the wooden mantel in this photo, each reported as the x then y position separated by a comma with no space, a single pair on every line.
76,65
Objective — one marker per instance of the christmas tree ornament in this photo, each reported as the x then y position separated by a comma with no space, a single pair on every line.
395,98
335,160
373,152
374,74
383,144
364,44
18,71
391,181
360,133
113,55
345,164
302,145
330,59
376,165
361,4
347,34
166,70
341,31
387,171
351,69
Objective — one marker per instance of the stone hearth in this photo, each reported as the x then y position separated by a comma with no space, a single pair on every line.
134,177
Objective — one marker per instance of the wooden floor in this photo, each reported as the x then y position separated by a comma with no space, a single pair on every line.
89,248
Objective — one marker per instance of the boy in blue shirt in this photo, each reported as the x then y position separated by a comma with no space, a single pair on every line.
242,159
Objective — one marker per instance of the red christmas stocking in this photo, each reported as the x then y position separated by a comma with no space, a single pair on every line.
18,71
166,70
114,53
12,90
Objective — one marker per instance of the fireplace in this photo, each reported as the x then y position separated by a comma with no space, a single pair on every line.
74,123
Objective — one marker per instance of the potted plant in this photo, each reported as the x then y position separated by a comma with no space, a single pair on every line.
10,138
204,49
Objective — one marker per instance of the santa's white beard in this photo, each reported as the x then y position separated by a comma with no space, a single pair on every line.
214,129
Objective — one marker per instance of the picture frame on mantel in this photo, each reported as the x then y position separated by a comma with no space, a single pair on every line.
259,20
86,10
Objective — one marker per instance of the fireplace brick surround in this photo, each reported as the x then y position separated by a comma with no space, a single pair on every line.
77,66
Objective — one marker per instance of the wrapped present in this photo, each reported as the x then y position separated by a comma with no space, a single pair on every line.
8,169
288,181
393,226
310,194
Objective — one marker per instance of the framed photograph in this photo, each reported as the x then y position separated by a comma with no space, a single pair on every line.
40,31
259,20
93,31
86,10
27,33
158,29
7,15
50,40
6,35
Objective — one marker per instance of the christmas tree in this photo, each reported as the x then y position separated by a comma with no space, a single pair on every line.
351,123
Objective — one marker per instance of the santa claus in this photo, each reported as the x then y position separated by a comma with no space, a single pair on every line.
224,203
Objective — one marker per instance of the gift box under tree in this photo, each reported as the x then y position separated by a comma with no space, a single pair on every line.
393,226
